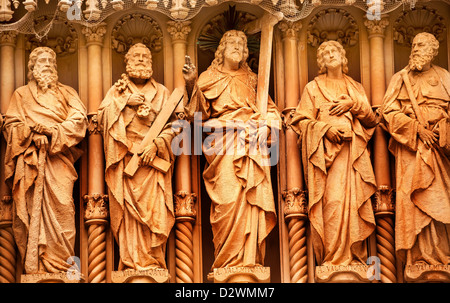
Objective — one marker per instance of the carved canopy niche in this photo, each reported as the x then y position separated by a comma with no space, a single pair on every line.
57,34
420,19
61,36
333,24
212,32
134,28
410,23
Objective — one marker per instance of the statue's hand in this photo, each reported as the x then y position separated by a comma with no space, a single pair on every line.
334,135
41,129
428,137
41,141
149,154
136,99
342,105
189,72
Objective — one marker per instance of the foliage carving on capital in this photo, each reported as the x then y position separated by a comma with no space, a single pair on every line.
179,30
8,37
96,207
94,34
184,205
289,29
376,27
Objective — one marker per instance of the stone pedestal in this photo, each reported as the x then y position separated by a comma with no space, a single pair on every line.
61,277
342,274
256,274
422,273
155,275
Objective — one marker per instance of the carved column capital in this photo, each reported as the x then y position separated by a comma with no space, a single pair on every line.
289,29
376,27
6,211
93,127
286,115
383,201
8,38
94,34
184,206
295,203
179,30
96,209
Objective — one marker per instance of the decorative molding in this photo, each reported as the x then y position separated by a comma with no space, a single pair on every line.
420,19
333,24
136,28
5,10
376,27
62,37
383,200
8,38
184,205
295,203
96,208
289,29
286,116
94,34
179,30
93,126
6,211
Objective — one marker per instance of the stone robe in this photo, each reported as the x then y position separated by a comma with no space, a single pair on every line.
339,177
239,185
422,175
47,247
141,207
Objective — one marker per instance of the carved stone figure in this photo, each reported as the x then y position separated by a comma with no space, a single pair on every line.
141,206
416,113
335,122
44,122
238,183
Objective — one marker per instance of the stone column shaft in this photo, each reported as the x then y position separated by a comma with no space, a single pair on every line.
96,210
183,196
294,196
8,250
383,200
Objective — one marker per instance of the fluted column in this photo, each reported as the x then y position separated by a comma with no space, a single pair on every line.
96,229
294,196
184,267
383,201
7,85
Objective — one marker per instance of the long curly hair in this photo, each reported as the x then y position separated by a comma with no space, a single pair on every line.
321,61
33,57
218,60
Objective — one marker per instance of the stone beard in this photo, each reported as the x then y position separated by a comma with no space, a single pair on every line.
419,59
46,77
139,71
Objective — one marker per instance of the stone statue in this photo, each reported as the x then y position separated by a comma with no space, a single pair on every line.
335,122
416,113
238,183
44,122
141,206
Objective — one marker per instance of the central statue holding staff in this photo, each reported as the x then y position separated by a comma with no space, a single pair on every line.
238,182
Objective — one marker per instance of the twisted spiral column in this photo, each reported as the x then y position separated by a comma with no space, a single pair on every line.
8,252
383,205
295,210
184,253
96,215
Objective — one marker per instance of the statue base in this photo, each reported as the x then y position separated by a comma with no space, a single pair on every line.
154,275
422,273
240,274
60,277
342,274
